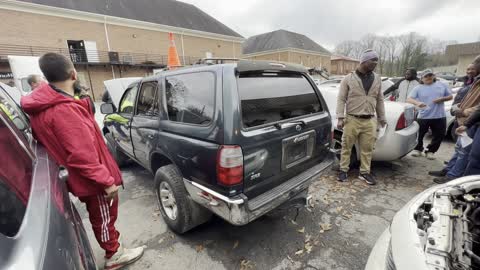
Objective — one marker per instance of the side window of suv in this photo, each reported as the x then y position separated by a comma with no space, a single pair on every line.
147,103
15,181
126,104
190,98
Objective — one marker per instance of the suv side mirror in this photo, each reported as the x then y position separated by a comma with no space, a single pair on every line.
107,108
62,174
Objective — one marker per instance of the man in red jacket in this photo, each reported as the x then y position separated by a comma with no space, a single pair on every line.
66,127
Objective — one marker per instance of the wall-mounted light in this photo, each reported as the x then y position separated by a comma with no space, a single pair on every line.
134,36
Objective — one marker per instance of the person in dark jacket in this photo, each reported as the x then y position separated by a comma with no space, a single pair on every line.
459,161
471,126
469,79
404,87
81,92
67,128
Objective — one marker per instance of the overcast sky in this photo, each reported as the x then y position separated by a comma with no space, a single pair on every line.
329,22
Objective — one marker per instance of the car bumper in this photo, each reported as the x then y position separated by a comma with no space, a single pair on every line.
378,255
239,210
397,144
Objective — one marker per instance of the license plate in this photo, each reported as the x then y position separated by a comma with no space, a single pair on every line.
295,152
297,149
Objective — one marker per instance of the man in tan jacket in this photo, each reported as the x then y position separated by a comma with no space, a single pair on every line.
360,108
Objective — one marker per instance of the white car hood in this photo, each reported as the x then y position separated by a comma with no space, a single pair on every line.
117,87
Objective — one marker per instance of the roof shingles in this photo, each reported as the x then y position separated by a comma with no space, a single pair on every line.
281,39
165,12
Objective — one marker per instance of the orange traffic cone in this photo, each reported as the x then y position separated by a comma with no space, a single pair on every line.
173,60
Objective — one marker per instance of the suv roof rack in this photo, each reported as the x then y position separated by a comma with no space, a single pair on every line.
216,61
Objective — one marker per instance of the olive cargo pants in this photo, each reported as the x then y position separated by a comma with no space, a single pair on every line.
363,130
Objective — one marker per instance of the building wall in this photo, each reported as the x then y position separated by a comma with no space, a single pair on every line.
463,62
28,29
343,67
308,60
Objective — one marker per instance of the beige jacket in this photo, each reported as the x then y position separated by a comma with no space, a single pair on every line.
353,99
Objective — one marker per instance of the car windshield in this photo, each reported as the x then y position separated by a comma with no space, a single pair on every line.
272,97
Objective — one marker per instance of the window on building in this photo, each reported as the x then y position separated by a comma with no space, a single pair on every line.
15,181
190,98
148,99
126,104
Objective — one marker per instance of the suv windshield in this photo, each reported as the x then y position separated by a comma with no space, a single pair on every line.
271,97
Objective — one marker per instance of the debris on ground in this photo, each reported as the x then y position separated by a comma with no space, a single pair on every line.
235,245
325,227
246,264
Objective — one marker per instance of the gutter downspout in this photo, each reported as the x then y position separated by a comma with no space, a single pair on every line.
108,40
183,50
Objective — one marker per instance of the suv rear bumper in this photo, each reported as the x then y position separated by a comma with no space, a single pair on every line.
239,210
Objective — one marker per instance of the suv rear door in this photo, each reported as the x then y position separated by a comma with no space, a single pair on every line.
285,127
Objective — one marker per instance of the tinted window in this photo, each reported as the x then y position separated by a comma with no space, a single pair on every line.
190,98
148,99
126,104
268,98
12,110
15,181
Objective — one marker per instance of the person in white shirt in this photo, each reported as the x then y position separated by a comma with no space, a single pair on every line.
404,87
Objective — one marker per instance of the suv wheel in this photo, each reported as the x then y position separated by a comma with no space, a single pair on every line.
119,157
337,140
178,210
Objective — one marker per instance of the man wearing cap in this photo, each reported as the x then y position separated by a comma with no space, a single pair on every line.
360,108
429,98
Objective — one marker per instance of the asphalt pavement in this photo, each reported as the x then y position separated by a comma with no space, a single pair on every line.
337,232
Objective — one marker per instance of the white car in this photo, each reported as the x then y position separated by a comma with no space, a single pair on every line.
437,229
400,136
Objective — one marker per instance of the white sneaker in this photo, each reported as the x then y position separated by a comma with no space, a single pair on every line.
123,257
416,153
430,155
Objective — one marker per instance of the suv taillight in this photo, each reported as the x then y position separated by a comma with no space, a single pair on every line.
402,122
230,165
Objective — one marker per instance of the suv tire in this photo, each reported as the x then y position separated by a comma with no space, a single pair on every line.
179,211
119,157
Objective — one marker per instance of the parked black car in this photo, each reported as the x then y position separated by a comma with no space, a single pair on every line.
236,139
39,225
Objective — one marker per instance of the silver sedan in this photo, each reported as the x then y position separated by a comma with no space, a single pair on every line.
400,136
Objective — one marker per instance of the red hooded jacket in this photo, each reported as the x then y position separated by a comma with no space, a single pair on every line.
67,129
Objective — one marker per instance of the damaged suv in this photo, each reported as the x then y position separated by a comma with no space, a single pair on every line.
233,139
439,229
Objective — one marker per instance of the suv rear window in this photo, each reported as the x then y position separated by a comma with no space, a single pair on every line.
271,97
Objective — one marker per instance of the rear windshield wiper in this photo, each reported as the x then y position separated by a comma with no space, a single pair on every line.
281,125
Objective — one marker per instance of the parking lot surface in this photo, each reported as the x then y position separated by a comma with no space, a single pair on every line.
337,232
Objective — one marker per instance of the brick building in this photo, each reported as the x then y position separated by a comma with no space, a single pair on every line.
342,65
286,46
463,54
108,39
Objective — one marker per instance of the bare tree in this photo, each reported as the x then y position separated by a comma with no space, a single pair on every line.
396,53
348,48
